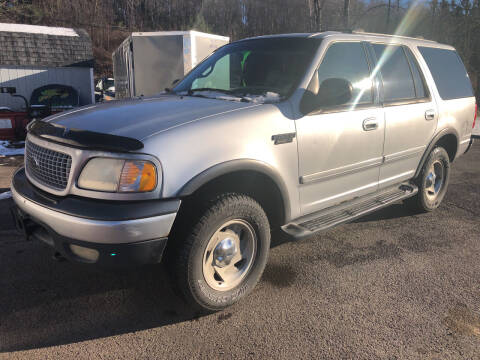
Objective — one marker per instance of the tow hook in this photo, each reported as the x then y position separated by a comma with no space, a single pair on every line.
58,257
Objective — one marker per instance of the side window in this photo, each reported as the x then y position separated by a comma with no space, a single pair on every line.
420,88
396,75
347,60
449,73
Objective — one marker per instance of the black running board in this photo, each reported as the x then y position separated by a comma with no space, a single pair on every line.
347,211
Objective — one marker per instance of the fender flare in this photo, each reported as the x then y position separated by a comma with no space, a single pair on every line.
433,142
239,165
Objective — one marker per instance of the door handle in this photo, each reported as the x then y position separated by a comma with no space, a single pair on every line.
429,114
370,124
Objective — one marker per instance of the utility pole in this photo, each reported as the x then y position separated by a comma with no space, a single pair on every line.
346,13
388,15
434,15
397,16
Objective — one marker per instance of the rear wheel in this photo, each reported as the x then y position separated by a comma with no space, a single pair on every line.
223,252
432,182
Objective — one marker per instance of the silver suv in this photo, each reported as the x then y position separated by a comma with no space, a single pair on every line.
300,132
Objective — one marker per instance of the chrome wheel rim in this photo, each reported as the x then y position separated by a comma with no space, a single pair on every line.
434,180
229,255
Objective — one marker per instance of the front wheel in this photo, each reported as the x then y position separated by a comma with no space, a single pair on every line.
432,182
222,256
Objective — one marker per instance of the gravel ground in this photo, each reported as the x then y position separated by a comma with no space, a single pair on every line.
393,285
8,165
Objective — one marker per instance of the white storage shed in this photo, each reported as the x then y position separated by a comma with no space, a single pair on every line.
34,56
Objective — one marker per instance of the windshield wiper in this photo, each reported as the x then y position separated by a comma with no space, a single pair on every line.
191,92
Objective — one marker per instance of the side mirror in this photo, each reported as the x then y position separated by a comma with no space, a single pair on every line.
8,90
335,92
331,92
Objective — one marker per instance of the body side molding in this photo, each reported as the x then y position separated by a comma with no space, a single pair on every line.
344,170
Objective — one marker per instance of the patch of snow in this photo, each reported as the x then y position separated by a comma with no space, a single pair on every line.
5,195
268,98
36,29
6,149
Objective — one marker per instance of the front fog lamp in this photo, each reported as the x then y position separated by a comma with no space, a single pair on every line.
116,175
85,253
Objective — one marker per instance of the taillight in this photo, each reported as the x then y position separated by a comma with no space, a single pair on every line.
475,116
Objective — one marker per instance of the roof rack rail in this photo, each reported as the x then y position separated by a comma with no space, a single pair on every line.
360,31
328,32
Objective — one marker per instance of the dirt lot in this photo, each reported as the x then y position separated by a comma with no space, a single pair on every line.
393,285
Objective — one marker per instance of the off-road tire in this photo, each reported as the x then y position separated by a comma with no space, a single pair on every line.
421,202
185,259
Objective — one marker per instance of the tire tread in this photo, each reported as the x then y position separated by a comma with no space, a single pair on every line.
180,262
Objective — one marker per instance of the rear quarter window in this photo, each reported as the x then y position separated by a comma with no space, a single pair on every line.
448,72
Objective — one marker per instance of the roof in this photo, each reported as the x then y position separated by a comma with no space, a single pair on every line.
35,29
291,35
349,35
30,45
182,33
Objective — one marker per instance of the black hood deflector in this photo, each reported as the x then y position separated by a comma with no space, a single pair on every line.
83,138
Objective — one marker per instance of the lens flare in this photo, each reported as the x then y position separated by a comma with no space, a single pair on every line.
408,22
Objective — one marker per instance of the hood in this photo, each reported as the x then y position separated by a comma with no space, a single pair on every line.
139,118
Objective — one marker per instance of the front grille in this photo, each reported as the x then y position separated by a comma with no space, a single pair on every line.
48,167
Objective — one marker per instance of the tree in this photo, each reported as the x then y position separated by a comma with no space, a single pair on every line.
455,22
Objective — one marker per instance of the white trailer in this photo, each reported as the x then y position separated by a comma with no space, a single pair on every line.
148,62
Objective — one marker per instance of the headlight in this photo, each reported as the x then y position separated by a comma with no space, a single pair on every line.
117,175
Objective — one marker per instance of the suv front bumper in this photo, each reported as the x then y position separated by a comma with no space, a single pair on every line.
112,232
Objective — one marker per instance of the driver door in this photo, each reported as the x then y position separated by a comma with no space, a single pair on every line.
340,147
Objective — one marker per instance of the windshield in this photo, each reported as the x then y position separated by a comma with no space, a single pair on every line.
55,95
271,68
109,83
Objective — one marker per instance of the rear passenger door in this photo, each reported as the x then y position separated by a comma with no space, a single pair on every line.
410,112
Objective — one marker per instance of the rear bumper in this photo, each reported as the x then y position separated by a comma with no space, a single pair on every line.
121,232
